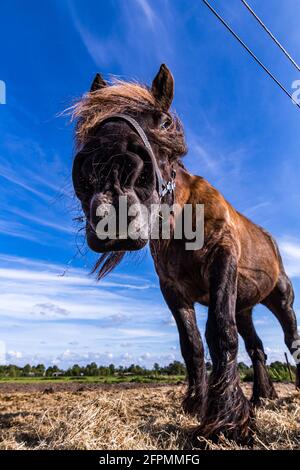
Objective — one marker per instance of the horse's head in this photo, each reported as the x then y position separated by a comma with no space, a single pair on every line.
128,145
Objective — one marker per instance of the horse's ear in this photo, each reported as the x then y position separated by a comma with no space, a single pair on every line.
98,83
163,87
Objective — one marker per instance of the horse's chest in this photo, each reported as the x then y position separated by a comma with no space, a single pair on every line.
183,271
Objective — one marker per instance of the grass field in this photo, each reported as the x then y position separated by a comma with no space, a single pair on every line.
97,379
76,415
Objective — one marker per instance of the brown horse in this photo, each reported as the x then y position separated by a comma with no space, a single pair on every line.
129,143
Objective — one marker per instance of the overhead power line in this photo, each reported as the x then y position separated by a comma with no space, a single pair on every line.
251,53
271,35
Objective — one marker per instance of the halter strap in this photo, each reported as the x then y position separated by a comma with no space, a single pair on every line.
164,187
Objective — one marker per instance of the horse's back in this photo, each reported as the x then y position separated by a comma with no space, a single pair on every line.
259,263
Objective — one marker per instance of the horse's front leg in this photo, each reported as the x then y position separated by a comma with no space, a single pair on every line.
227,409
191,348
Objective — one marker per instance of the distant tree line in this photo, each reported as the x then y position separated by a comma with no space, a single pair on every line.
90,370
278,370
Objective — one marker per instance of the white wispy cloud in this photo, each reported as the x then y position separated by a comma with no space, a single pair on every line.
33,168
50,308
10,176
290,250
24,231
43,221
34,198
216,161
103,51
41,312
148,11
253,210
14,355
48,318
17,229
140,23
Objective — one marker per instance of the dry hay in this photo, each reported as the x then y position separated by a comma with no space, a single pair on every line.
137,418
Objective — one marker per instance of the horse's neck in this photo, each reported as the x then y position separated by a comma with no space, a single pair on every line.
194,190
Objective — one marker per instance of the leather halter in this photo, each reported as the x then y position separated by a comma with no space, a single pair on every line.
164,187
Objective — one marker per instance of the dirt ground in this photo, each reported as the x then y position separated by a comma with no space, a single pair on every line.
125,416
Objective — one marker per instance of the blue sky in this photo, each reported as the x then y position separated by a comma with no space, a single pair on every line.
242,133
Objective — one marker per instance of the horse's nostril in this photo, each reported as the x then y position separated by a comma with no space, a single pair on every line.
124,169
99,207
135,166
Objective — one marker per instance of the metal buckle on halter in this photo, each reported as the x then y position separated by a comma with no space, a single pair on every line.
169,187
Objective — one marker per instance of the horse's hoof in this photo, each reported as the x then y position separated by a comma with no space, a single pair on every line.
193,406
242,437
258,400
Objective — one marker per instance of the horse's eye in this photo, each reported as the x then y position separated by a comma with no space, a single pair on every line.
165,122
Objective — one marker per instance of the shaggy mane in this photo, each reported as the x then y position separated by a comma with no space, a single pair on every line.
125,98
